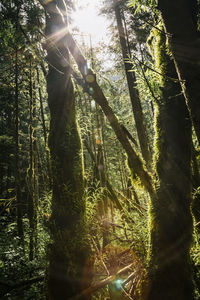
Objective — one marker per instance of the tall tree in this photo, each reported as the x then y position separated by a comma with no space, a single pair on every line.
17,173
32,210
180,21
70,249
170,216
133,91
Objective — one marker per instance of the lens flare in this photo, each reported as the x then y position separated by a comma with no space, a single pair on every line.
118,284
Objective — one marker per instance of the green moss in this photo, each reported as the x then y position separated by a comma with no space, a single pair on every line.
170,220
160,52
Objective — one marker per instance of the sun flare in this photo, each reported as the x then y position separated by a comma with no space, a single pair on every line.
88,22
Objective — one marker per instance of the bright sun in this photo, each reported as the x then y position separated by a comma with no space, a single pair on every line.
87,20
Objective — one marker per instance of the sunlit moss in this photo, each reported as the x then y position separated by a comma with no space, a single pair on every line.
160,52
170,220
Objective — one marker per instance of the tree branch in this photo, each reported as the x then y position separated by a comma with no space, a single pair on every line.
136,163
101,284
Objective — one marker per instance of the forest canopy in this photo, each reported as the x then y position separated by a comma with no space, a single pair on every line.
100,150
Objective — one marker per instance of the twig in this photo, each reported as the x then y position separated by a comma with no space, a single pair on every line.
162,31
129,278
100,257
145,78
125,292
153,70
141,210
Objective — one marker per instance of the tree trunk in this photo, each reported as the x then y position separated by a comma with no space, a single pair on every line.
180,20
17,174
102,178
31,170
41,108
69,251
133,91
44,129
196,185
170,216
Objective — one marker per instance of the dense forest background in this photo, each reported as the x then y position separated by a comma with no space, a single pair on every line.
100,162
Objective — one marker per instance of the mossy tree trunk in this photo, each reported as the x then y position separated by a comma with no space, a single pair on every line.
170,216
180,20
196,185
70,249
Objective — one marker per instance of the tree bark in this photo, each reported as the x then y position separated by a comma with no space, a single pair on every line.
180,21
70,250
195,185
170,216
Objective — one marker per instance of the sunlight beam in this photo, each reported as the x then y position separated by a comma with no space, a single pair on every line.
88,22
